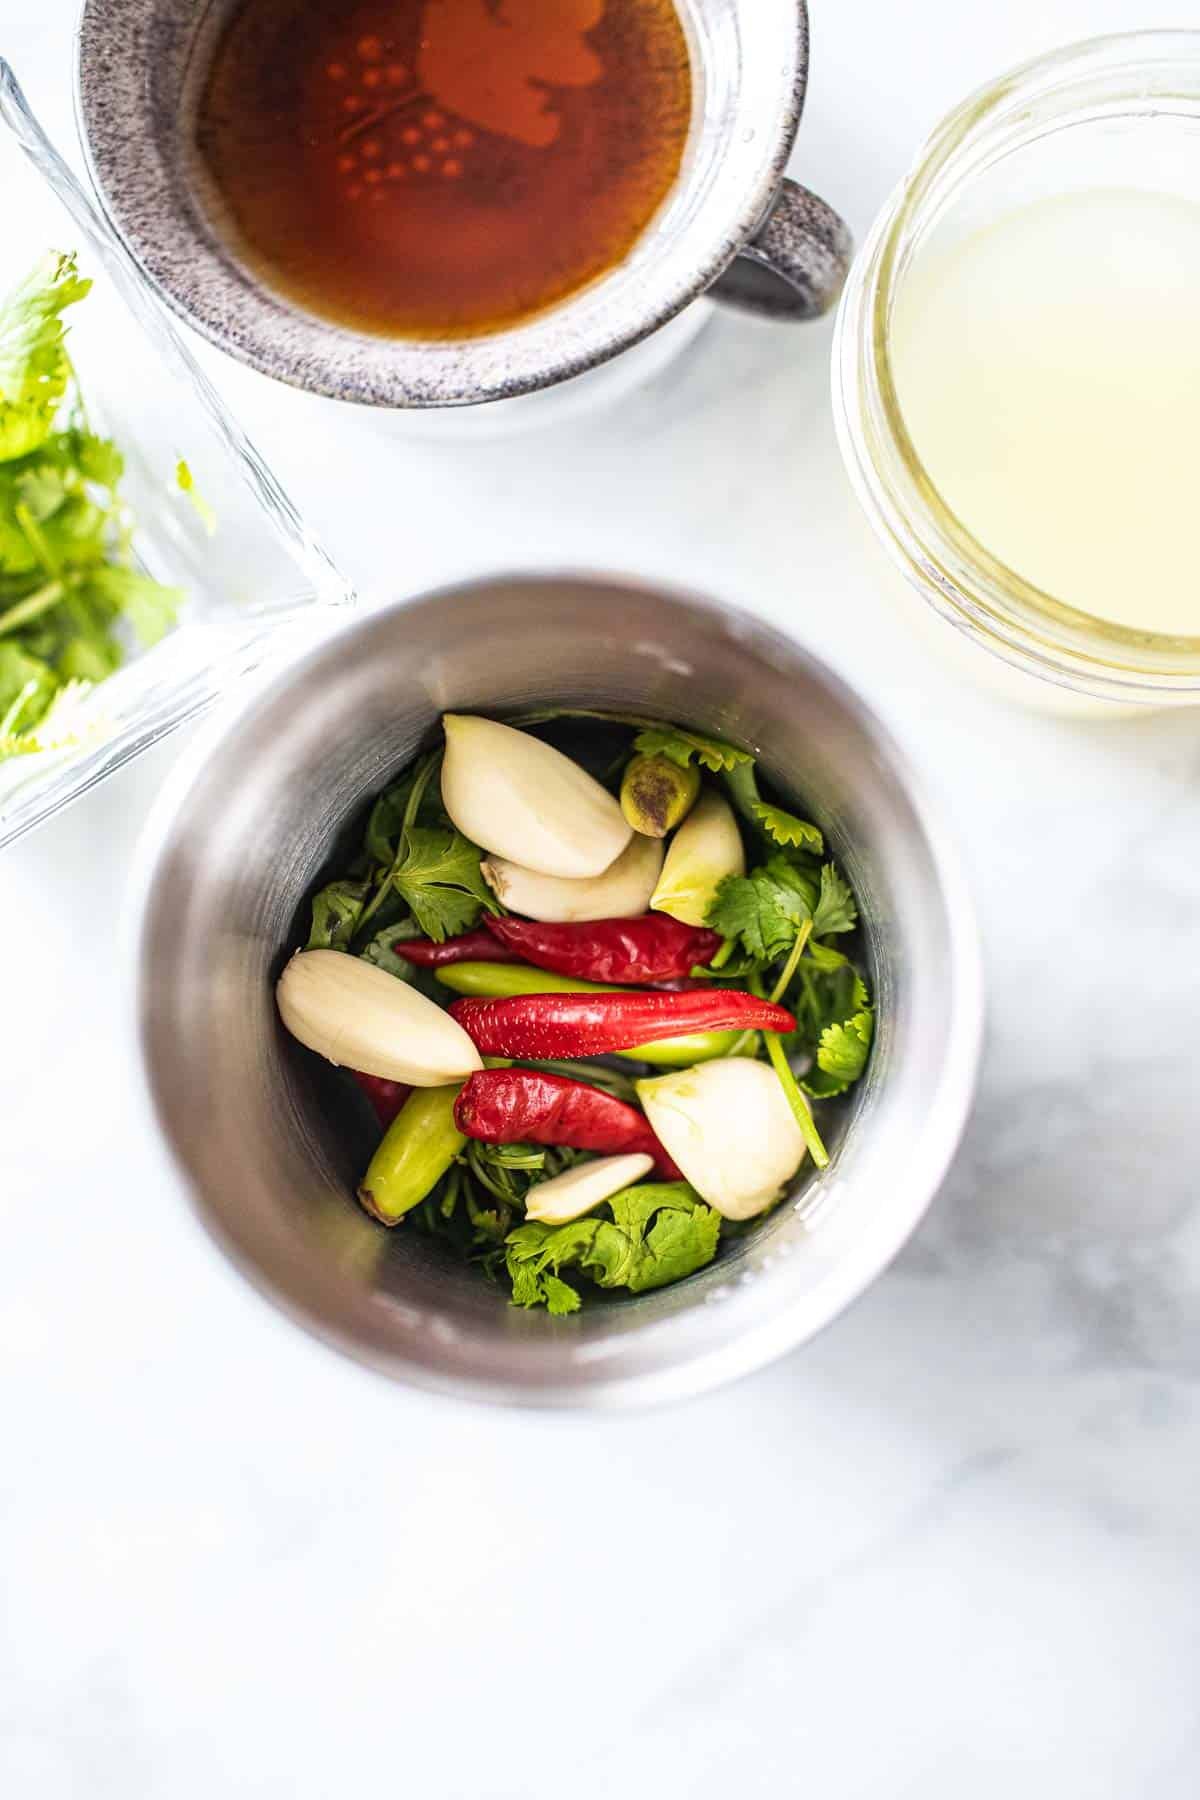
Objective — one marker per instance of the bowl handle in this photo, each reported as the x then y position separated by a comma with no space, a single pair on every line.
795,264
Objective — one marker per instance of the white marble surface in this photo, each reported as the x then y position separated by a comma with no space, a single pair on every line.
951,1549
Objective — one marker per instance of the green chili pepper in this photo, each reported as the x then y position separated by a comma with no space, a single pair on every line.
506,981
420,1145
682,1052
657,795
503,981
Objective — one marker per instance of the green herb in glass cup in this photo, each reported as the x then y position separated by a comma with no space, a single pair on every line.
68,586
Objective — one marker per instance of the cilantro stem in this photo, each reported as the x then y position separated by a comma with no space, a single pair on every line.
39,602
793,962
9,722
723,954
416,795
796,1100
35,537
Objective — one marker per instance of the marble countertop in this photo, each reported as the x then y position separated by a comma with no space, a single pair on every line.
950,1548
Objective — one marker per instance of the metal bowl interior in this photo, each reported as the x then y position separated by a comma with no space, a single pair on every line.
253,1122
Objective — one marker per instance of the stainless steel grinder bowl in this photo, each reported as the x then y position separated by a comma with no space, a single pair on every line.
244,833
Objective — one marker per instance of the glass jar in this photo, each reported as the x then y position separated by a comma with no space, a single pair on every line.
1114,112
256,583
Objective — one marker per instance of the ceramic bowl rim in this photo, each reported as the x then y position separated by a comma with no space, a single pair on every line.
174,249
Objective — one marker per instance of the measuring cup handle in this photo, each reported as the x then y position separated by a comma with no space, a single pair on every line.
795,264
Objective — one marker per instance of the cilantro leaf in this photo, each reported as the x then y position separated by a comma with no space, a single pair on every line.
69,593
782,828
34,367
40,488
764,910
508,1171
27,686
682,746
60,726
526,1258
386,821
90,656
785,828
827,959
659,1232
98,459
150,608
760,913
385,950
841,1056
439,877
835,909
17,554
824,996
559,1296
335,915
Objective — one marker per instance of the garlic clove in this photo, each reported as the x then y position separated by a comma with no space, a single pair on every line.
622,892
525,801
729,1127
577,1191
360,1017
706,848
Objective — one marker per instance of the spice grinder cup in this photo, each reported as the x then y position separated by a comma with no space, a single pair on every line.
248,828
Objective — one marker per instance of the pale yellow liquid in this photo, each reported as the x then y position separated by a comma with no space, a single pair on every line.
1048,370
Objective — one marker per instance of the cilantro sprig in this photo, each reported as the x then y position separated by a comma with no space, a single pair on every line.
775,920
34,367
775,825
684,747
765,910
658,1233
677,742
423,877
70,596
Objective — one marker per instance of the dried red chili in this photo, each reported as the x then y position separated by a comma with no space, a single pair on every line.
547,1027
473,946
528,1106
633,952
387,1097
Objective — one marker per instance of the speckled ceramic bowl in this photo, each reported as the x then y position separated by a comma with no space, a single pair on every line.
732,223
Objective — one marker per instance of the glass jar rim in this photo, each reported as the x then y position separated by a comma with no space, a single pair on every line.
1139,74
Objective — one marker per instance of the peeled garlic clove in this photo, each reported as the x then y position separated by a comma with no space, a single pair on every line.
525,801
706,848
622,892
730,1129
576,1191
360,1017
657,795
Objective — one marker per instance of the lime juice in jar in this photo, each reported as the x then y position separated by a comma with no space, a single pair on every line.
1017,377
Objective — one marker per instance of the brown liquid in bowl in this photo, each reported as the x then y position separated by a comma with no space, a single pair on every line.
443,168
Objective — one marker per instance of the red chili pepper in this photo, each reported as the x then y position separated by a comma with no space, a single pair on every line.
549,1027
630,951
526,1106
474,946
387,1097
